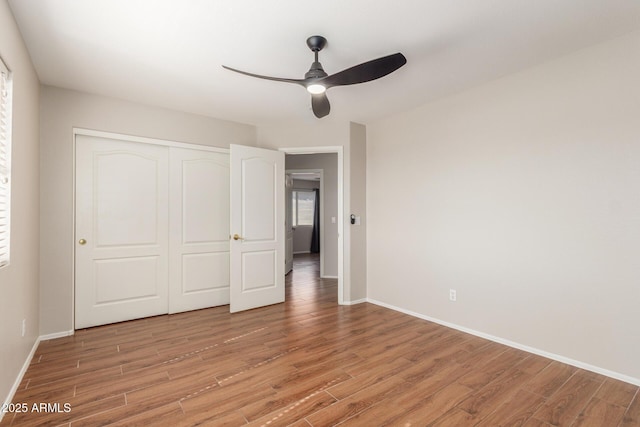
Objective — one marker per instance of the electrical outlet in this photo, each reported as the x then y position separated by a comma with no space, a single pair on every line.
452,295
24,327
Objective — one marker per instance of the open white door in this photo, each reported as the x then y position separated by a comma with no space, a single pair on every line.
288,225
257,227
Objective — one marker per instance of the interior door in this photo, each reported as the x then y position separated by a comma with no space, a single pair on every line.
257,227
199,229
288,225
121,231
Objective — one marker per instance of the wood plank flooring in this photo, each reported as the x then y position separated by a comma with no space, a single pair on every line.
307,362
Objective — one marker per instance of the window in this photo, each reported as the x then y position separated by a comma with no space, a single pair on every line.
5,162
302,207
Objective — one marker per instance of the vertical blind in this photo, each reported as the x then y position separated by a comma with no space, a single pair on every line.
5,162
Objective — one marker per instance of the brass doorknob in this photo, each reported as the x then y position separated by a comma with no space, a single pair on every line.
236,237
82,241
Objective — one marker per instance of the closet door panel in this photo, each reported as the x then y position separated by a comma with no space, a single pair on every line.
199,217
121,250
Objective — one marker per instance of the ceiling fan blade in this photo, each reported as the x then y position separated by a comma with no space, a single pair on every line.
320,105
366,71
277,79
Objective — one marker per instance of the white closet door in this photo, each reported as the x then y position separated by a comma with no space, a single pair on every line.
257,227
121,231
199,228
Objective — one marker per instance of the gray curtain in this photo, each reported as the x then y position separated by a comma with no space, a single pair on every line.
315,234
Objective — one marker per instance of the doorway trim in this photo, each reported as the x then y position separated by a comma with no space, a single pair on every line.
339,151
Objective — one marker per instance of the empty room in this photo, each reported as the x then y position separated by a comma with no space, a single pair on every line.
356,213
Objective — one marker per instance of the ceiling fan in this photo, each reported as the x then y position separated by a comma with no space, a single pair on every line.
317,81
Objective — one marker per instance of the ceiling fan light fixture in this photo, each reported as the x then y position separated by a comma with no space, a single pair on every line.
316,89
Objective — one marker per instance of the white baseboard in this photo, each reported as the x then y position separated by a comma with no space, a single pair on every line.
302,252
543,353
354,302
18,380
57,335
27,362
329,277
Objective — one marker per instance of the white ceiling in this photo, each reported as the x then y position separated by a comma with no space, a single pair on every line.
169,52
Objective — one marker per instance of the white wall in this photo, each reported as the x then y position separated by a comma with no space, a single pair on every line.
19,280
61,110
524,196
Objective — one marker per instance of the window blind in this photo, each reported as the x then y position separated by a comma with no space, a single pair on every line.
302,207
5,162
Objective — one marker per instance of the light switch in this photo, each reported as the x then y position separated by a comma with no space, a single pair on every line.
333,220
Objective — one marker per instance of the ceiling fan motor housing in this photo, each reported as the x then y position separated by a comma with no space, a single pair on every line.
316,71
316,44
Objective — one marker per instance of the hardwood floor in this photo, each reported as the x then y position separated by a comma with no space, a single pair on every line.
307,362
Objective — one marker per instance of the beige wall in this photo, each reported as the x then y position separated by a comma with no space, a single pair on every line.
314,133
524,196
19,280
302,239
358,249
328,162
61,110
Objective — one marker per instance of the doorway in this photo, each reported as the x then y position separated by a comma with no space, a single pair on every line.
306,216
330,161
